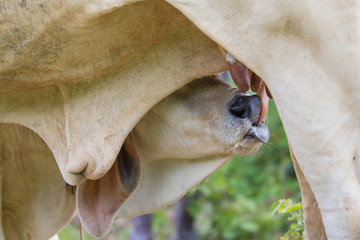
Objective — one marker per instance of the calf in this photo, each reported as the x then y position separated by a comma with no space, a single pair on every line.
178,143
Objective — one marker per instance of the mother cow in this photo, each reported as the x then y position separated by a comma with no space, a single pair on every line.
72,53
308,53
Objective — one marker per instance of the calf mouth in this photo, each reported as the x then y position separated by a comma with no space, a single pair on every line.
259,132
251,141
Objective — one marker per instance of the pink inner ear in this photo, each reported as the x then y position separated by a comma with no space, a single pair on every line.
98,201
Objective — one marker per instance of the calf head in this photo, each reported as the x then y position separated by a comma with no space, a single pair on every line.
177,144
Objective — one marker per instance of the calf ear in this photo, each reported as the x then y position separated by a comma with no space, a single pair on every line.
98,201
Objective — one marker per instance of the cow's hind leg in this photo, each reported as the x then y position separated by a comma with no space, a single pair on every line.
314,226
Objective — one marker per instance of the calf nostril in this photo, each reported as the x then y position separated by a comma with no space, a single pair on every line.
241,111
246,106
241,108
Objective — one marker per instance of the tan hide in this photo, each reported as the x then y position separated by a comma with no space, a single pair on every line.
179,142
312,216
308,53
36,202
82,73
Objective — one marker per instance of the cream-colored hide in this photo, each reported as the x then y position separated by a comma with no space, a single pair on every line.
178,143
35,200
86,59
308,53
81,74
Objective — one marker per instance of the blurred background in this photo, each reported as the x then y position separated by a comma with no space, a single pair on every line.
233,203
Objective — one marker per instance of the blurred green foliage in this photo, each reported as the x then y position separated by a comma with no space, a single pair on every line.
71,232
161,225
234,202
286,206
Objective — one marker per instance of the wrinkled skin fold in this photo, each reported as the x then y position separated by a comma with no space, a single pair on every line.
307,53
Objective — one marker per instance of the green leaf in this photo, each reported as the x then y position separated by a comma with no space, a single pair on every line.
275,207
291,208
293,225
